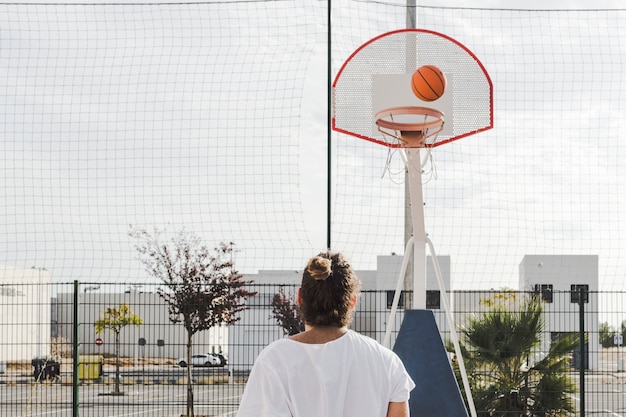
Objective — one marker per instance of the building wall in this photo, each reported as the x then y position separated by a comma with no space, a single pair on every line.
387,276
562,272
156,327
561,316
24,313
25,310
372,309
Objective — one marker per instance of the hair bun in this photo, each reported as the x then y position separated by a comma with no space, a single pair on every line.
319,268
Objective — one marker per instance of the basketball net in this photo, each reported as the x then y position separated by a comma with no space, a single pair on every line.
419,128
426,164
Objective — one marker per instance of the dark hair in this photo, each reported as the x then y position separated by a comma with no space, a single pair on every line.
328,285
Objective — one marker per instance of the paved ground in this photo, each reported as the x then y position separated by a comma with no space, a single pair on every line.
155,391
161,392
54,400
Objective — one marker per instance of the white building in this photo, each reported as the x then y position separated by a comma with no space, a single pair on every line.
24,313
157,337
386,278
558,279
373,309
25,310
562,274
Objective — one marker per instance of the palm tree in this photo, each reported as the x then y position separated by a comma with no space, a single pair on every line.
497,346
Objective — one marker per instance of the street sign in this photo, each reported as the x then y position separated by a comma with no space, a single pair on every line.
99,341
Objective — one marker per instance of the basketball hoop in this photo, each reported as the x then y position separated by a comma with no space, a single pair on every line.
379,80
379,75
411,126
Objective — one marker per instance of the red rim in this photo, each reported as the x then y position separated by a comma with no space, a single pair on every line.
424,126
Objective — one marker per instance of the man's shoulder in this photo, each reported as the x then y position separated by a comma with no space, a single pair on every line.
369,343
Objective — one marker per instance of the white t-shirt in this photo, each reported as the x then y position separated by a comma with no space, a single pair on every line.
352,376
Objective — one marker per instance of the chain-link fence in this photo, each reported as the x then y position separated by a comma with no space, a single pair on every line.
45,369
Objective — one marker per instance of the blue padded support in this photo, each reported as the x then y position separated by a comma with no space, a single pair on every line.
419,345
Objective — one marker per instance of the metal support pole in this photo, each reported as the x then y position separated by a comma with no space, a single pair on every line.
329,116
419,230
581,308
398,292
75,354
411,63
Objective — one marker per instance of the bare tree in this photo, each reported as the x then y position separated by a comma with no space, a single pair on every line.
201,287
287,313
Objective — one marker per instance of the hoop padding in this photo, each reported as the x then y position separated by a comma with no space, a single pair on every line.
400,53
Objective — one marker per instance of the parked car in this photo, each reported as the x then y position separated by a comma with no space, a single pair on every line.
202,359
222,358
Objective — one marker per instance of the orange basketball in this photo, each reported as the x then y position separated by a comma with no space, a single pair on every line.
428,83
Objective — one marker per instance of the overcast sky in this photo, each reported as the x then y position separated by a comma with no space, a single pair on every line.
526,4
106,121
489,4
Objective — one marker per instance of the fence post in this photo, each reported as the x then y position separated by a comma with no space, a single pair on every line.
581,311
75,354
